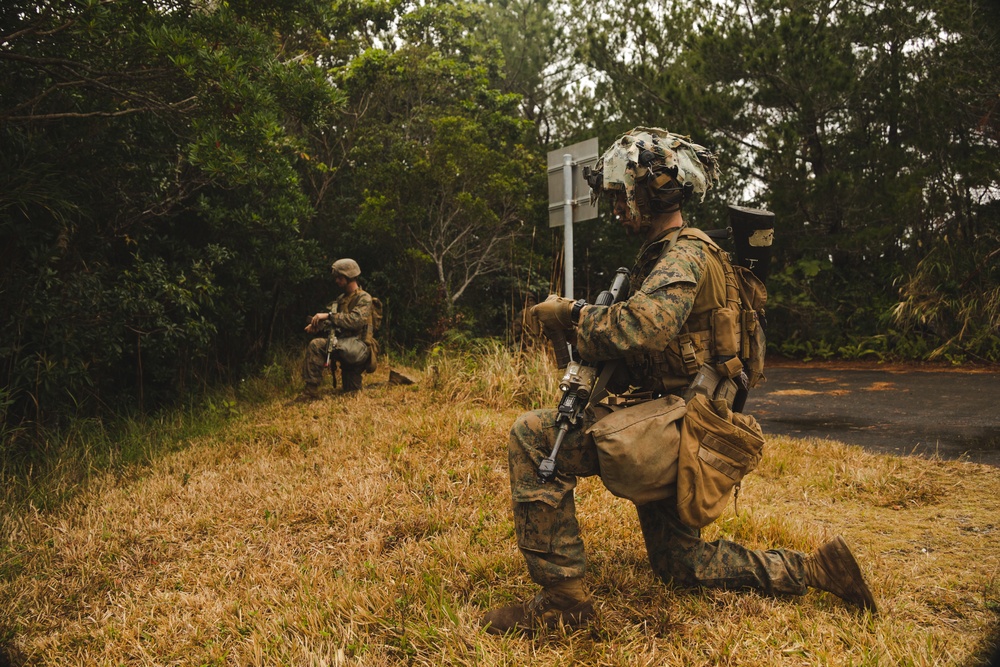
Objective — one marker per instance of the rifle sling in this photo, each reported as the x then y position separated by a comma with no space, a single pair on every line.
600,387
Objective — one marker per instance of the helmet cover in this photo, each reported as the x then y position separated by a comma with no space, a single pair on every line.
657,170
347,268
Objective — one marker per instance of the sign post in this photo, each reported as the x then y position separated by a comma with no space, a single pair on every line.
569,197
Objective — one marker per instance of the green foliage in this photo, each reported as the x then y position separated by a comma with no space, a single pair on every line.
869,129
151,199
437,176
953,300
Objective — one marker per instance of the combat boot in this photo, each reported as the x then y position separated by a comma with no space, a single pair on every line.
833,568
351,379
562,604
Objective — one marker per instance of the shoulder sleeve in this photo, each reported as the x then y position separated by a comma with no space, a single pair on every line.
651,317
684,262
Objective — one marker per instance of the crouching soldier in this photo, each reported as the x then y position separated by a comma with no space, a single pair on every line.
350,341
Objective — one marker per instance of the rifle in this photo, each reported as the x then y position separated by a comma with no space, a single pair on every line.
331,341
580,382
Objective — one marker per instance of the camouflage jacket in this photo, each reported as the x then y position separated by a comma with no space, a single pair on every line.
677,282
352,315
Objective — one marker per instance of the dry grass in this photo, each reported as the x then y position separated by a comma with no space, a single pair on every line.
376,530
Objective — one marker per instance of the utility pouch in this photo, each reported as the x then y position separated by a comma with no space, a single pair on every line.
373,351
747,332
637,449
726,331
756,348
718,448
753,345
351,351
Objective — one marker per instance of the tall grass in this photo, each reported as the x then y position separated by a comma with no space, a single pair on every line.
375,529
488,373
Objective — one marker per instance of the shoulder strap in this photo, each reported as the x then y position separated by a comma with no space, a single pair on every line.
698,234
669,240
732,291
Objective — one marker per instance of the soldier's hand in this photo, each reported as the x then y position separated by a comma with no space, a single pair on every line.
554,313
316,321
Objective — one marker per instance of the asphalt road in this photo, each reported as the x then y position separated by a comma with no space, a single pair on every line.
950,414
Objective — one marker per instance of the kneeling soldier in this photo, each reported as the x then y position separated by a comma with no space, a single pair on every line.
349,322
661,334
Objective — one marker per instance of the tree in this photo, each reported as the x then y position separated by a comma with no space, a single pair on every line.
151,197
437,168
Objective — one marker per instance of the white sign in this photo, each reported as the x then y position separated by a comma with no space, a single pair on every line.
584,154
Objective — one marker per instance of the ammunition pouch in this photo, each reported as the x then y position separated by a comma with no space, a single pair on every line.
637,448
726,327
717,449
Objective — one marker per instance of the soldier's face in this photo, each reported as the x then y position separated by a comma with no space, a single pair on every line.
341,281
624,214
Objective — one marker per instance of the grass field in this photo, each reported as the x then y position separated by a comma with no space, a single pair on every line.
375,529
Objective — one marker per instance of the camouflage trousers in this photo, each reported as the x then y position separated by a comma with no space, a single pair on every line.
315,361
548,534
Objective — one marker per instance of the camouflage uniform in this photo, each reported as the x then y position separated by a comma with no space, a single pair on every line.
351,320
675,287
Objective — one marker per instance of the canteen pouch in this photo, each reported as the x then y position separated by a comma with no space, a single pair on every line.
718,447
637,449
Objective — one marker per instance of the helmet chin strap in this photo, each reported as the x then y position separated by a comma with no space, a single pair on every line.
647,221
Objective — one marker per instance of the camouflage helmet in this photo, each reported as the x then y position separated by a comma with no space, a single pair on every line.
347,268
658,171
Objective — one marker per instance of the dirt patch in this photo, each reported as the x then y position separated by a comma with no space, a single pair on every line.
795,392
881,386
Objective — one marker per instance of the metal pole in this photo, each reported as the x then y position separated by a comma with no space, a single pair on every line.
568,224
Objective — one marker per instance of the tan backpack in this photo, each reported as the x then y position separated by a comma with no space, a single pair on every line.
753,344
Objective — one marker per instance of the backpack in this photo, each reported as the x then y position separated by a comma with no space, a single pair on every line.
753,344
377,311
376,322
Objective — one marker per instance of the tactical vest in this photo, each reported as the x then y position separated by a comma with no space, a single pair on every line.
713,329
